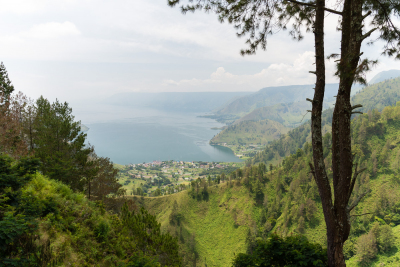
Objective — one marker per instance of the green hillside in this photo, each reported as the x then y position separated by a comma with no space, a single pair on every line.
45,223
213,221
270,96
288,114
376,96
379,95
250,132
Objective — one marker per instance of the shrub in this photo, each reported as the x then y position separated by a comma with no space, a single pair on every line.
278,251
366,248
101,231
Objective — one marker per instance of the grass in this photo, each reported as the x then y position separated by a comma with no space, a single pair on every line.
218,238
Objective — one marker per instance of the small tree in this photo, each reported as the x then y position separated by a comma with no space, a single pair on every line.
366,248
6,87
12,139
60,144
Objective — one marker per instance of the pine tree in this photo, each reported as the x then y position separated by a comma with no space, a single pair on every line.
6,87
60,144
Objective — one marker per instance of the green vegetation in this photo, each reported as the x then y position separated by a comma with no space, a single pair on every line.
278,251
254,202
270,96
379,95
167,177
48,179
44,222
6,87
58,142
376,96
289,114
250,132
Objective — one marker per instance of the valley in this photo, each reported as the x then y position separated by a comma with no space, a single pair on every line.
134,136
221,218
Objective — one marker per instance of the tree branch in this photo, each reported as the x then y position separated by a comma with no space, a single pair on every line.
362,214
355,203
353,181
366,15
366,35
356,106
314,6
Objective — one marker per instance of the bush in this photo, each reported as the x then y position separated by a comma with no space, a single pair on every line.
278,251
366,248
386,238
102,230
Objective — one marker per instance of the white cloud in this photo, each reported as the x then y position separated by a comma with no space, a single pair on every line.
275,75
53,30
148,47
22,6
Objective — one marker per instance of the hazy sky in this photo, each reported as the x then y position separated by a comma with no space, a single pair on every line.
84,49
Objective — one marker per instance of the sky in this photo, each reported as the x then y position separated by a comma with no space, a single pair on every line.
92,49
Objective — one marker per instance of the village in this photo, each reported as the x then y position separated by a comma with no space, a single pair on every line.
159,178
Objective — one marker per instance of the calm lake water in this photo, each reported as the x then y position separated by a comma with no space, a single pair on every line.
127,135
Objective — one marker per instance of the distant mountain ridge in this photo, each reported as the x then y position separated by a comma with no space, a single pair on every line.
273,95
176,101
373,97
289,114
384,75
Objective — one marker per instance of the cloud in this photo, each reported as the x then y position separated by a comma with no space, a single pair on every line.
22,6
53,30
275,75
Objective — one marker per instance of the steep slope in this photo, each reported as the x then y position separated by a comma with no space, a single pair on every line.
45,223
379,95
272,95
219,220
250,132
375,96
288,114
210,231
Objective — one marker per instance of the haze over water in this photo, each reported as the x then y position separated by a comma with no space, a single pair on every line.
128,135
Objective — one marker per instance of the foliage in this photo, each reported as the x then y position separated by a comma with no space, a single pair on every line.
12,140
16,228
291,201
147,232
43,222
102,182
278,251
6,87
59,143
250,132
376,96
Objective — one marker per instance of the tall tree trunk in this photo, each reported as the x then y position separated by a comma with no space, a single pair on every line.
337,213
318,170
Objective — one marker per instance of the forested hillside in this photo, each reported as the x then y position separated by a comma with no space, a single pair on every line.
288,114
375,96
43,222
250,132
270,96
61,204
253,202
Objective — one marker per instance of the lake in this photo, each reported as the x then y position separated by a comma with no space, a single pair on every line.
128,135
